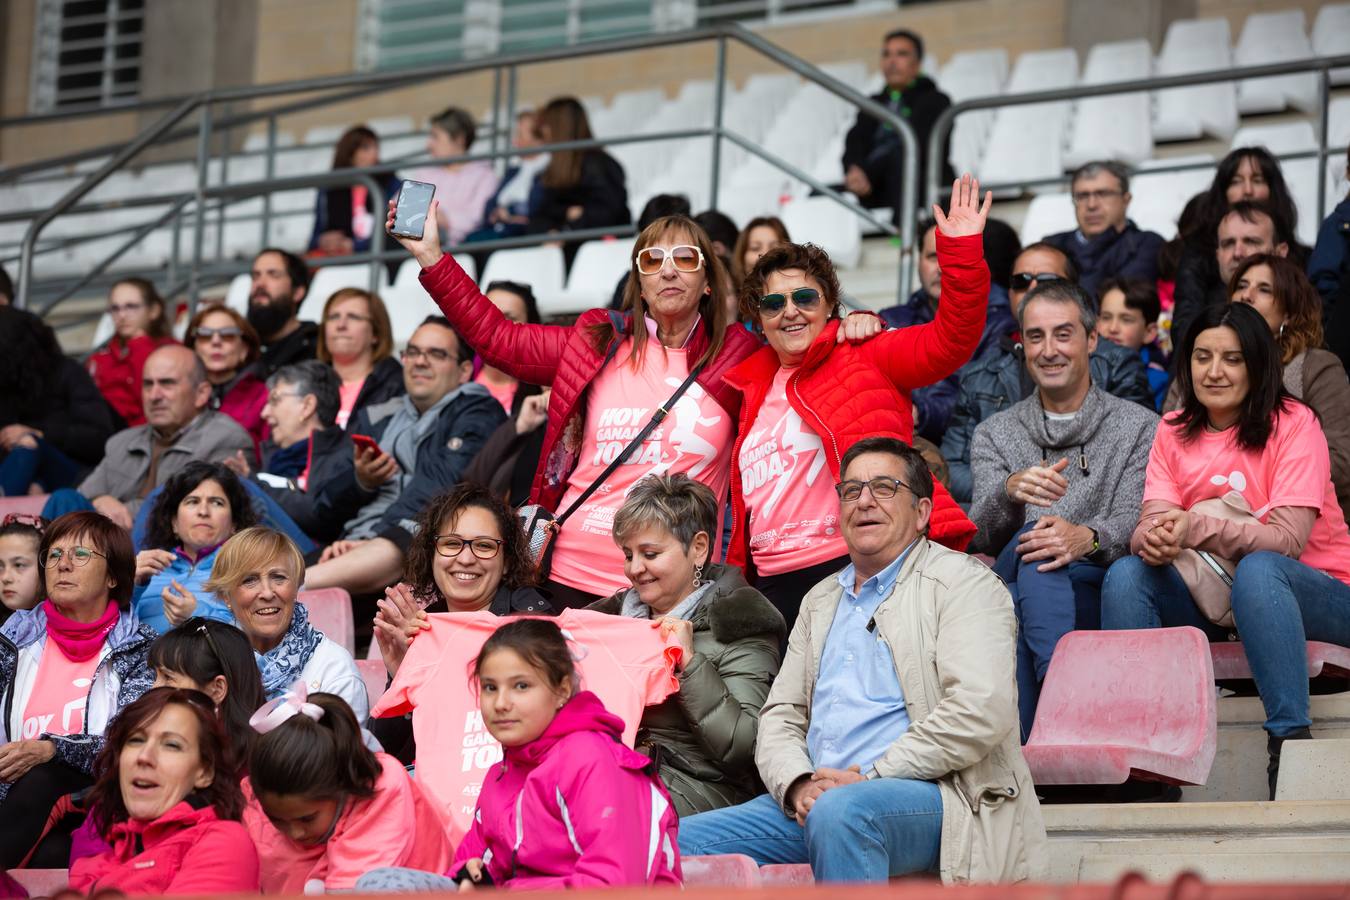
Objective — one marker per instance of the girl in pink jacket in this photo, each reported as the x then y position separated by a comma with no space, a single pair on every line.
323,810
569,806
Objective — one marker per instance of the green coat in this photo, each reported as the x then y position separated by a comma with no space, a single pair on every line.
703,737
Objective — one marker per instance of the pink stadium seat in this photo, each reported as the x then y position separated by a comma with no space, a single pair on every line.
1323,659
786,875
725,870
330,611
1118,704
374,674
41,882
29,505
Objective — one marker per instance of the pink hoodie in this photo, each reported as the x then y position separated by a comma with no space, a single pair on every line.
574,808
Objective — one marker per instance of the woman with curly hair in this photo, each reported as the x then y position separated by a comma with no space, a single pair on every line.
197,511
53,420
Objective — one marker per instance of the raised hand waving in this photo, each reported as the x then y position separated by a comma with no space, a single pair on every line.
966,214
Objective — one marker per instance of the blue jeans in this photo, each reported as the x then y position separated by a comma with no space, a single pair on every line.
867,831
1278,604
44,465
1048,606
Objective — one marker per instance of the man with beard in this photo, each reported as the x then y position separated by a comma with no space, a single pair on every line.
280,281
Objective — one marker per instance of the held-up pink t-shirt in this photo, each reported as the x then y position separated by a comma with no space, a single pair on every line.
1294,469
56,705
623,661
792,510
695,439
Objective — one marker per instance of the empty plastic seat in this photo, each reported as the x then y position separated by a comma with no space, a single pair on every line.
1048,214
1160,197
1027,142
820,220
26,505
331,279
722,870
1184,114
1119,126
597,268
330,611
1331,36
786,875
1230,660
375,675
1121,704
1270,38
103,330
409,269
236,295
539,267
408,306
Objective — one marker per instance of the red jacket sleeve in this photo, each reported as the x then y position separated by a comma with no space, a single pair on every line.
528,352
224,861
921,355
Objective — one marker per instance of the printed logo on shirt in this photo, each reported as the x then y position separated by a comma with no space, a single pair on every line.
762,460
72,715
479,751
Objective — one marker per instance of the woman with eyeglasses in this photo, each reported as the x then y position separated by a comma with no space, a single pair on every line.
356,339
228,347
807,398
195,513
20,572
468,556
67,668
139,326
257,575
609,374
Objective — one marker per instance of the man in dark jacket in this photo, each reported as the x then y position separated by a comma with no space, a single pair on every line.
280,283
426,439
933,404
1106,243
999,379
873,154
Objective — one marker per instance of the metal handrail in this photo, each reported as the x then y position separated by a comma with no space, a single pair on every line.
943,125
372,83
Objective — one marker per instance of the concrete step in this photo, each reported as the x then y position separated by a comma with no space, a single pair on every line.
1303,841
1314,770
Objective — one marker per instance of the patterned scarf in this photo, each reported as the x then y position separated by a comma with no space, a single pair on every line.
281,666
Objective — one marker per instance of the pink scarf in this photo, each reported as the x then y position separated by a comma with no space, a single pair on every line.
79,640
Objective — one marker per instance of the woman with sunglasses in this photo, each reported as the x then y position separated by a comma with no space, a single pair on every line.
609,373
228,347
807,398
67,668
139,326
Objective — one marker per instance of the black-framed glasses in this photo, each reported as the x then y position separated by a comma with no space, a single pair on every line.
482,547
805,299
228,334
881,488
684,257
412,353
79,556
1023,281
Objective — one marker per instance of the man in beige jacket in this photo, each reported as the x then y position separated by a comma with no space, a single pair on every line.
889,742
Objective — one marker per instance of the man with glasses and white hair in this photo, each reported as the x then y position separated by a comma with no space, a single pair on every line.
1059,479
1106,244
894,702
425,439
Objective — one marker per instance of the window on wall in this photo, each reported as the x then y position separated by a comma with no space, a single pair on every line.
398,34
713,11
87,53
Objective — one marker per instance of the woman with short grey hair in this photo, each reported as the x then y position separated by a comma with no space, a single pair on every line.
703,737
462,188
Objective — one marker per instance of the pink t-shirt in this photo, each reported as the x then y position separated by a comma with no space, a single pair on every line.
56,705
505,393
1294,469
347,395
625,662
695,439
791,508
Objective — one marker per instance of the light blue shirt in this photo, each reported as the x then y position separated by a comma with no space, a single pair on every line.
858,709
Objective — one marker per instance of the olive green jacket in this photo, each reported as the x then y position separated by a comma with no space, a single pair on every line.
703,737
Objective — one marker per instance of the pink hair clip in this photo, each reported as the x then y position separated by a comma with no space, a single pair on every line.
293,703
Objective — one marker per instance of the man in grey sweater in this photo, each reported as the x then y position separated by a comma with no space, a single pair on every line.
1058,483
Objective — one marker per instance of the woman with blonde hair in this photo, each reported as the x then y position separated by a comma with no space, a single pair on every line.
356,339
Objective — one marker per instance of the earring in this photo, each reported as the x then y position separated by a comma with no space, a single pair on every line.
698,575
1280,334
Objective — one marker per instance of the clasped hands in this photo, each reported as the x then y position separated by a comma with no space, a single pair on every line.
807,789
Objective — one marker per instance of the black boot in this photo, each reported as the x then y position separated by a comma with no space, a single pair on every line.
1273,746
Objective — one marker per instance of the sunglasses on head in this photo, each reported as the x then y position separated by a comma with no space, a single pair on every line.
1023,281
805,299
684,257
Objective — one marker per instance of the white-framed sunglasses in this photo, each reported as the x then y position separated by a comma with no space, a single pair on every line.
684,257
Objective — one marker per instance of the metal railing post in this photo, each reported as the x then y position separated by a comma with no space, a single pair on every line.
220,209
269,171
511,89
199,222
496,117
1323,139
380,202
719,100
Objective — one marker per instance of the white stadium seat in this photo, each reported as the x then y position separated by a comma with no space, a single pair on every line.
1331,36
331,279
1047,214
1184,114
1119,126
822,221
975,73
1159,197
1269,38
539,267
596,270
408,305
1027,142
236,296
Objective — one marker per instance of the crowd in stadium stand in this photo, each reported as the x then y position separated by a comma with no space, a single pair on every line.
689,575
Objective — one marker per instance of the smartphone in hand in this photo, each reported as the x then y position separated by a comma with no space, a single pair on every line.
365,442
410,213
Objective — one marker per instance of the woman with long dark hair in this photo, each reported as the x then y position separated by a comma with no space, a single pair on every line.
1241,472
345,216
578,188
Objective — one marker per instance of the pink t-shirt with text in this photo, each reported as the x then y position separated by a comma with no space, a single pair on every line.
792,510
625,662
57,703
1294,469
695,439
